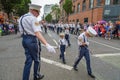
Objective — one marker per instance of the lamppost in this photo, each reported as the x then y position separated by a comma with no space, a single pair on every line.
92,16
92,8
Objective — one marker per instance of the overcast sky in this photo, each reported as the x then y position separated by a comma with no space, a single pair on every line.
42,3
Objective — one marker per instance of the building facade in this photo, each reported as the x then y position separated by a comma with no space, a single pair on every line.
91,11
62,12
111,10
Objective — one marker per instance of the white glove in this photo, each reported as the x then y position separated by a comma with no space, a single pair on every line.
87,43
50,48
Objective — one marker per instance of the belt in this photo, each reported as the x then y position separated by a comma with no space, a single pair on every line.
27,35
83,46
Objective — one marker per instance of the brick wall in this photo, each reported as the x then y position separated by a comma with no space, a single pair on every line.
93,15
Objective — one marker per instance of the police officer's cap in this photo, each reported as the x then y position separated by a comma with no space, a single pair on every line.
91,31
34,6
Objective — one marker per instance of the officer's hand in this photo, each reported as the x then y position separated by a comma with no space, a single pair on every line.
50,48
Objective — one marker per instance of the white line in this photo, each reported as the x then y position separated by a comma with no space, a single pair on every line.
49,35
105,55
55,42
56,63
105,45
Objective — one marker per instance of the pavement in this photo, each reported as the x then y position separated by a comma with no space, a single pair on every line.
105,67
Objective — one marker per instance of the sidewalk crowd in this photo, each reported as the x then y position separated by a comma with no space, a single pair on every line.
7,28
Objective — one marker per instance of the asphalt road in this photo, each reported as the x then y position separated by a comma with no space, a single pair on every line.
105,60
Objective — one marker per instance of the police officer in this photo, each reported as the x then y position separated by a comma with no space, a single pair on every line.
83,49
30,30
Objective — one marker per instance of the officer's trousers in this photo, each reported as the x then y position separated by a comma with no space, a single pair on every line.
84,52
32,53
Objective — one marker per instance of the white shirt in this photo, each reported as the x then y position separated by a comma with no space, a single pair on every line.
78,26
66,25
30,24
62,26
62,41
73,25
41,26
82,38
66,31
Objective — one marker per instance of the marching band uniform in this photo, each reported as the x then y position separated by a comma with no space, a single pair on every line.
67,34
83,49
63,44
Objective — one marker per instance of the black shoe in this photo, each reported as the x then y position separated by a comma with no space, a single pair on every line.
75,68
64,62
69,45
39,78
91,75
60,57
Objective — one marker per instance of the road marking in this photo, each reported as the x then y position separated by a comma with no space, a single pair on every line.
105,45
49,35
105,55
56,63
55,42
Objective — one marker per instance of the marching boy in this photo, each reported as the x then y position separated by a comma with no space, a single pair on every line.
63,44
84,51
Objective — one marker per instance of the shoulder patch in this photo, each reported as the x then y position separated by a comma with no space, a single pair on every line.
37,24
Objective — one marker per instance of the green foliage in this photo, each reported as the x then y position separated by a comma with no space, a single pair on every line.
67,6
23,7
18,6
7,6
48,18
56,9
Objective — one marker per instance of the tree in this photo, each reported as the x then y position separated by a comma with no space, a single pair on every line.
22,8
7,6
48,18
19,6
56,9
67,6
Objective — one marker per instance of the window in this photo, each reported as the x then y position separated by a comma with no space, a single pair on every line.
99,2
78,8
73,9
77,20
115,1
84,5
107,2
85,20
90,3
73,20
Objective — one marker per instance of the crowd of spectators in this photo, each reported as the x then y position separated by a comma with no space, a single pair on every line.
108,30
7,28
